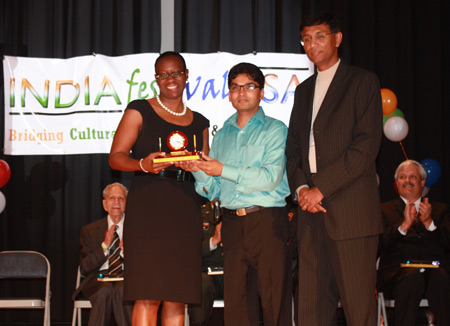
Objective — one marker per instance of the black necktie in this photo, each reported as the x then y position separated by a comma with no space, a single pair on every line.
115,260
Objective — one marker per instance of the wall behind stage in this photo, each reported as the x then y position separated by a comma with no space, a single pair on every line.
49,198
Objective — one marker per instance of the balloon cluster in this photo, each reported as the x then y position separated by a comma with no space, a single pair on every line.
396,129
5,174
395,126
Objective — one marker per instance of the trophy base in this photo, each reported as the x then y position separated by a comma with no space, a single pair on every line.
420,265
176,157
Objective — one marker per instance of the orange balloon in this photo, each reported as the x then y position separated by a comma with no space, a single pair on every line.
389,101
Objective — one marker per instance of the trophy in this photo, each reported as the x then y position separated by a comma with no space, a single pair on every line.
177,142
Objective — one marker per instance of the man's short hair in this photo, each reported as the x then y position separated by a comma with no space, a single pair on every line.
106,190
405,164
170,54
333,23
249,69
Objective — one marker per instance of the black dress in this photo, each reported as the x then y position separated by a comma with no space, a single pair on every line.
163,224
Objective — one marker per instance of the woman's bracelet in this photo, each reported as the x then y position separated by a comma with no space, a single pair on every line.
142,168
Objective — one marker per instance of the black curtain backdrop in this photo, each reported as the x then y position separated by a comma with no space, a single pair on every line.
49,198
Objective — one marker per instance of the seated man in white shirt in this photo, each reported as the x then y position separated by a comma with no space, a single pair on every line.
102,254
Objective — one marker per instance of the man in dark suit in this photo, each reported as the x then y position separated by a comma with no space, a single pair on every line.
333,140
418,231
212,257
98,241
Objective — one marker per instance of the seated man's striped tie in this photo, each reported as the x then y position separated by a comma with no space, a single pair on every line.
115,260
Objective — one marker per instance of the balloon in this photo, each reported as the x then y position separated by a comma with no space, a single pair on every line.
425,191
396,129
397,113
2,202
5,173
389,101
433,169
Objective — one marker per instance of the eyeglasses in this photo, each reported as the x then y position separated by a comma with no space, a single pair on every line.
165,75
319,37
234,88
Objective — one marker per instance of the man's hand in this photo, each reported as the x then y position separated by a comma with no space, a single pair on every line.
425,212
311,200
109,234
217,237
210,166
187,166
409,216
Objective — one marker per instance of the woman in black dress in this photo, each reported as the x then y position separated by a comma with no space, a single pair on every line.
162,231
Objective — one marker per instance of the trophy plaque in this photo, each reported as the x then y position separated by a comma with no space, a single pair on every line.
177,142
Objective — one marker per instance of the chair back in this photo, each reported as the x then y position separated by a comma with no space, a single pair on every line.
79,276
79,302
23,264
26,265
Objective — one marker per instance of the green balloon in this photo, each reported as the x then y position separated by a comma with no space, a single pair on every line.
397,113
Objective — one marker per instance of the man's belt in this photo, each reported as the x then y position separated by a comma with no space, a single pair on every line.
179,175
242,211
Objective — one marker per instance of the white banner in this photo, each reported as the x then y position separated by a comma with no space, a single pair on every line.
73,106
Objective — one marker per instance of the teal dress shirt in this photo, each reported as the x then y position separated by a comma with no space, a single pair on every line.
254,164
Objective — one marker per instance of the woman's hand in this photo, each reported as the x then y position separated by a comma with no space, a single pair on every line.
148,165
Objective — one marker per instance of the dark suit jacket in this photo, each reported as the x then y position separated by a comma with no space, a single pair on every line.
417,244
91,256
347,133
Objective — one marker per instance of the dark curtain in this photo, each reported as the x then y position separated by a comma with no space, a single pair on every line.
49,198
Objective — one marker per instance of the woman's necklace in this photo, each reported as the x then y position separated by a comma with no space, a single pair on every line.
178,114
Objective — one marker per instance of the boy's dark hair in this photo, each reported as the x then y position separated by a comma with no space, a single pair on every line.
252,71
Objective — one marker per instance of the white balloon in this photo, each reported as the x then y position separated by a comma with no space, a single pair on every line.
396,129
2,202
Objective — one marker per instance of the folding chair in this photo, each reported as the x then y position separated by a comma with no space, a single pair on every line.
26,265
390,303
382,319
79,303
